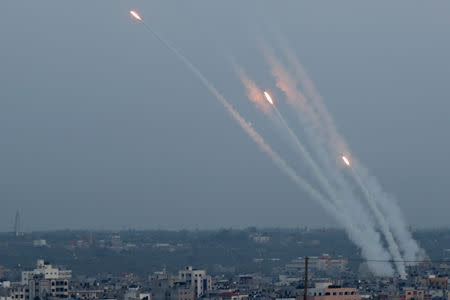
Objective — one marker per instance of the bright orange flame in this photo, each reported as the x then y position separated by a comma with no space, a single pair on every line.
135,15
268,97
345,159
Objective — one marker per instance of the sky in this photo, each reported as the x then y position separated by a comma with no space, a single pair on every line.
101,127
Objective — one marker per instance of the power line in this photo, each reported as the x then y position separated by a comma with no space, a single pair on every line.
390,260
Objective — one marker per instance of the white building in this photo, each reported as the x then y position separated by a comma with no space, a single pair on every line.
47,271
197,279
40,243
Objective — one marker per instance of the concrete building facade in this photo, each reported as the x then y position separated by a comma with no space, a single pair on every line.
197,279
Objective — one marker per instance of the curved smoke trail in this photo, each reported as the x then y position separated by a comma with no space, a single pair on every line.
388,206
387,213
288,86
362,234
355,233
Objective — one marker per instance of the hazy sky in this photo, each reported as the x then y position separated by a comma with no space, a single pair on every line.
101,127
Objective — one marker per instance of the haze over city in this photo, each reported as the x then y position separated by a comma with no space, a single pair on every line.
217,150
103,128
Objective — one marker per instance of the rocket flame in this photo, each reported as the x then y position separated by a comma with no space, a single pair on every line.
135,15
345,159
268,97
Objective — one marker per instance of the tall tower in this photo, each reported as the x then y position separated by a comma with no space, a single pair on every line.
17,224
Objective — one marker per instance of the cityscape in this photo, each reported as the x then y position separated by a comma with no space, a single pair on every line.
224,264
224,150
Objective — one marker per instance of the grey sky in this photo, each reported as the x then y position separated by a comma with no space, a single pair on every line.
102,127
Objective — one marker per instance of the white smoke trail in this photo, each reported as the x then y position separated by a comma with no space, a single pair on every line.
388,214
388,205
392,245
328,127
359,233
256,137
330,191
296,98
356,235
255,94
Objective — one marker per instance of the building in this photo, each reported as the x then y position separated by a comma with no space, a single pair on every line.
326,263
44,282
245,279
170,288
116,242
15,291
181,291
40,243
437,282
231,296
407,294
48,272
258,238
86,293
332,292
323,263
197,279
134,293
39,287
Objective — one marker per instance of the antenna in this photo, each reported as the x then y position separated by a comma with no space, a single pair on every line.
17,228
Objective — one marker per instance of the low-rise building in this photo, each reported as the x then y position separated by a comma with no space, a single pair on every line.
197,279
47,271
135,293
333,292
406,294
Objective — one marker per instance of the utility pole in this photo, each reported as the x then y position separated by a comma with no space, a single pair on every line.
305,293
